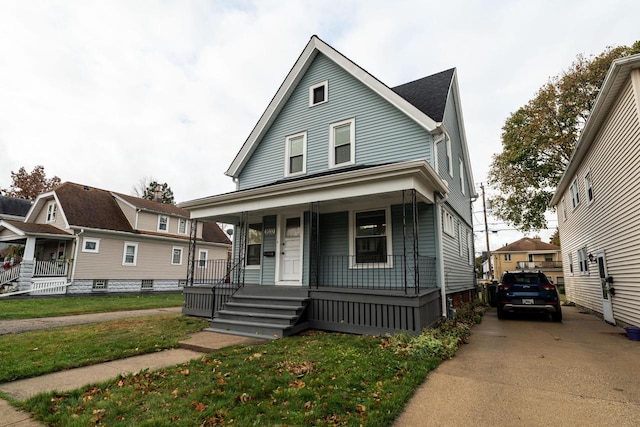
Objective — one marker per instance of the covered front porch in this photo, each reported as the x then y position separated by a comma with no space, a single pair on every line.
37,259
360,246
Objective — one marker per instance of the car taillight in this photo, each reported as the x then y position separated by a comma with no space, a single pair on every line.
504,287
548,287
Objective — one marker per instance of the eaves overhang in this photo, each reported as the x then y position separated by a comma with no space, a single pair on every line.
417,175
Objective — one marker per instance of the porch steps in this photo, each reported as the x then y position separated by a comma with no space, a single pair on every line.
262,313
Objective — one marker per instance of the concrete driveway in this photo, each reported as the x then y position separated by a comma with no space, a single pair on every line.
533,372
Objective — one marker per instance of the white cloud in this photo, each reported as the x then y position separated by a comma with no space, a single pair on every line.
104,93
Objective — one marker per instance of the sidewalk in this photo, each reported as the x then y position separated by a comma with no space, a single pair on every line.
192,348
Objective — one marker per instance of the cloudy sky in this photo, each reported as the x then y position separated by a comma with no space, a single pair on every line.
105,93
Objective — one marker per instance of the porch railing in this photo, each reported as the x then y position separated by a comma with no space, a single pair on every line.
9,274
214,282
395,272
58,268
539,265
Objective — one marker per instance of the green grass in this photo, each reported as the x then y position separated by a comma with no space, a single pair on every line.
65,306
316,379
35,353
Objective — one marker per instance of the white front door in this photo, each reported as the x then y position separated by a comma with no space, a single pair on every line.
607,308
290,250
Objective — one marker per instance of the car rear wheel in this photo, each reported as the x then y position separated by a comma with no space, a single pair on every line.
557,316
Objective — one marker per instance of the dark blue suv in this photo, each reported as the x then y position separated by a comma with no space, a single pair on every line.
527,291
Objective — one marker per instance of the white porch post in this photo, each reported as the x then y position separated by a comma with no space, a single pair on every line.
29,249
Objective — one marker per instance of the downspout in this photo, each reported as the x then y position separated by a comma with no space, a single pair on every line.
439,250
75,255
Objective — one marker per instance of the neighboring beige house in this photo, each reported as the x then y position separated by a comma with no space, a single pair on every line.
529,253
79,239
598,198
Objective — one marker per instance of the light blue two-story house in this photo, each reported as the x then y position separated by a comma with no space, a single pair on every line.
353,206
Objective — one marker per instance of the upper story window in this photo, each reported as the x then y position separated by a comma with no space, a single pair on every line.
163,223
202,258
342,147
575,197
460,243
447,223
449,159
461,169
507,257
588,185
130,254
182,226
319,93
52,208
570,264
371,237
91,245
563,204
295,153
254,244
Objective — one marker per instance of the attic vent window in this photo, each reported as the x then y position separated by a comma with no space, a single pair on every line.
318,94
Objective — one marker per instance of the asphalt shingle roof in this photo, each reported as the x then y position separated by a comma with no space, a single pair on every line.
528,244
428,94
14,206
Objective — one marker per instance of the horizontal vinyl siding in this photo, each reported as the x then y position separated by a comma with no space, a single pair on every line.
609,223
128,211
459,275
382,133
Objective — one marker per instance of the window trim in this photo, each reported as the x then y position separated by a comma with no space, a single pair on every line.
173,249
160,217
180,222
461,169
570,256
574,193
448,226
563,206
259,264
507,257
352,143
388,235
583,261
312,88
287,159
588,186
447,143
135,254
52,210
95,240
202,262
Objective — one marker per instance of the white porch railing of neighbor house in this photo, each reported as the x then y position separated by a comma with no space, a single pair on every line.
49,286
57,268
11,273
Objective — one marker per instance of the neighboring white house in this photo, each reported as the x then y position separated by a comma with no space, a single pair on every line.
80,239
598,199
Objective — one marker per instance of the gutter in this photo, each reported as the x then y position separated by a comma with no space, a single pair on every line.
75,255
439,251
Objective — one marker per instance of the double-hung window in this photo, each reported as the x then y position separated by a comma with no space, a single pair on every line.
176,256
575,196
447,223
588,185
254,245
583,260
371,237
342,148
182,226
163,223
130,254
295,153
202,258
51,212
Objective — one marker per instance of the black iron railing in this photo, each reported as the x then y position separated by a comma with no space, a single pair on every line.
397,272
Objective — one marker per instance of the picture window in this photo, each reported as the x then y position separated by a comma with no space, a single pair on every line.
90,245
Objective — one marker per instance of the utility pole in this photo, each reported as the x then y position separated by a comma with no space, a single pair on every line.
486,232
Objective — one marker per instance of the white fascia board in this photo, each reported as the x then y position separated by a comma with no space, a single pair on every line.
37,205
463,135
617,75
310,51
64,216
380,179
12,228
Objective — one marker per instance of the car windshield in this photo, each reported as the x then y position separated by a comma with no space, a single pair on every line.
524,278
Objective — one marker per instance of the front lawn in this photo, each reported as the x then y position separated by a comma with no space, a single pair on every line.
36,353
28,308
316,379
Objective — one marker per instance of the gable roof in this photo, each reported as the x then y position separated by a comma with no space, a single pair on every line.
613,83
14,206
527,244
298,70
22,228
429,94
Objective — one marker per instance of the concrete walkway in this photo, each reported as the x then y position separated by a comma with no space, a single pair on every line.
533,372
